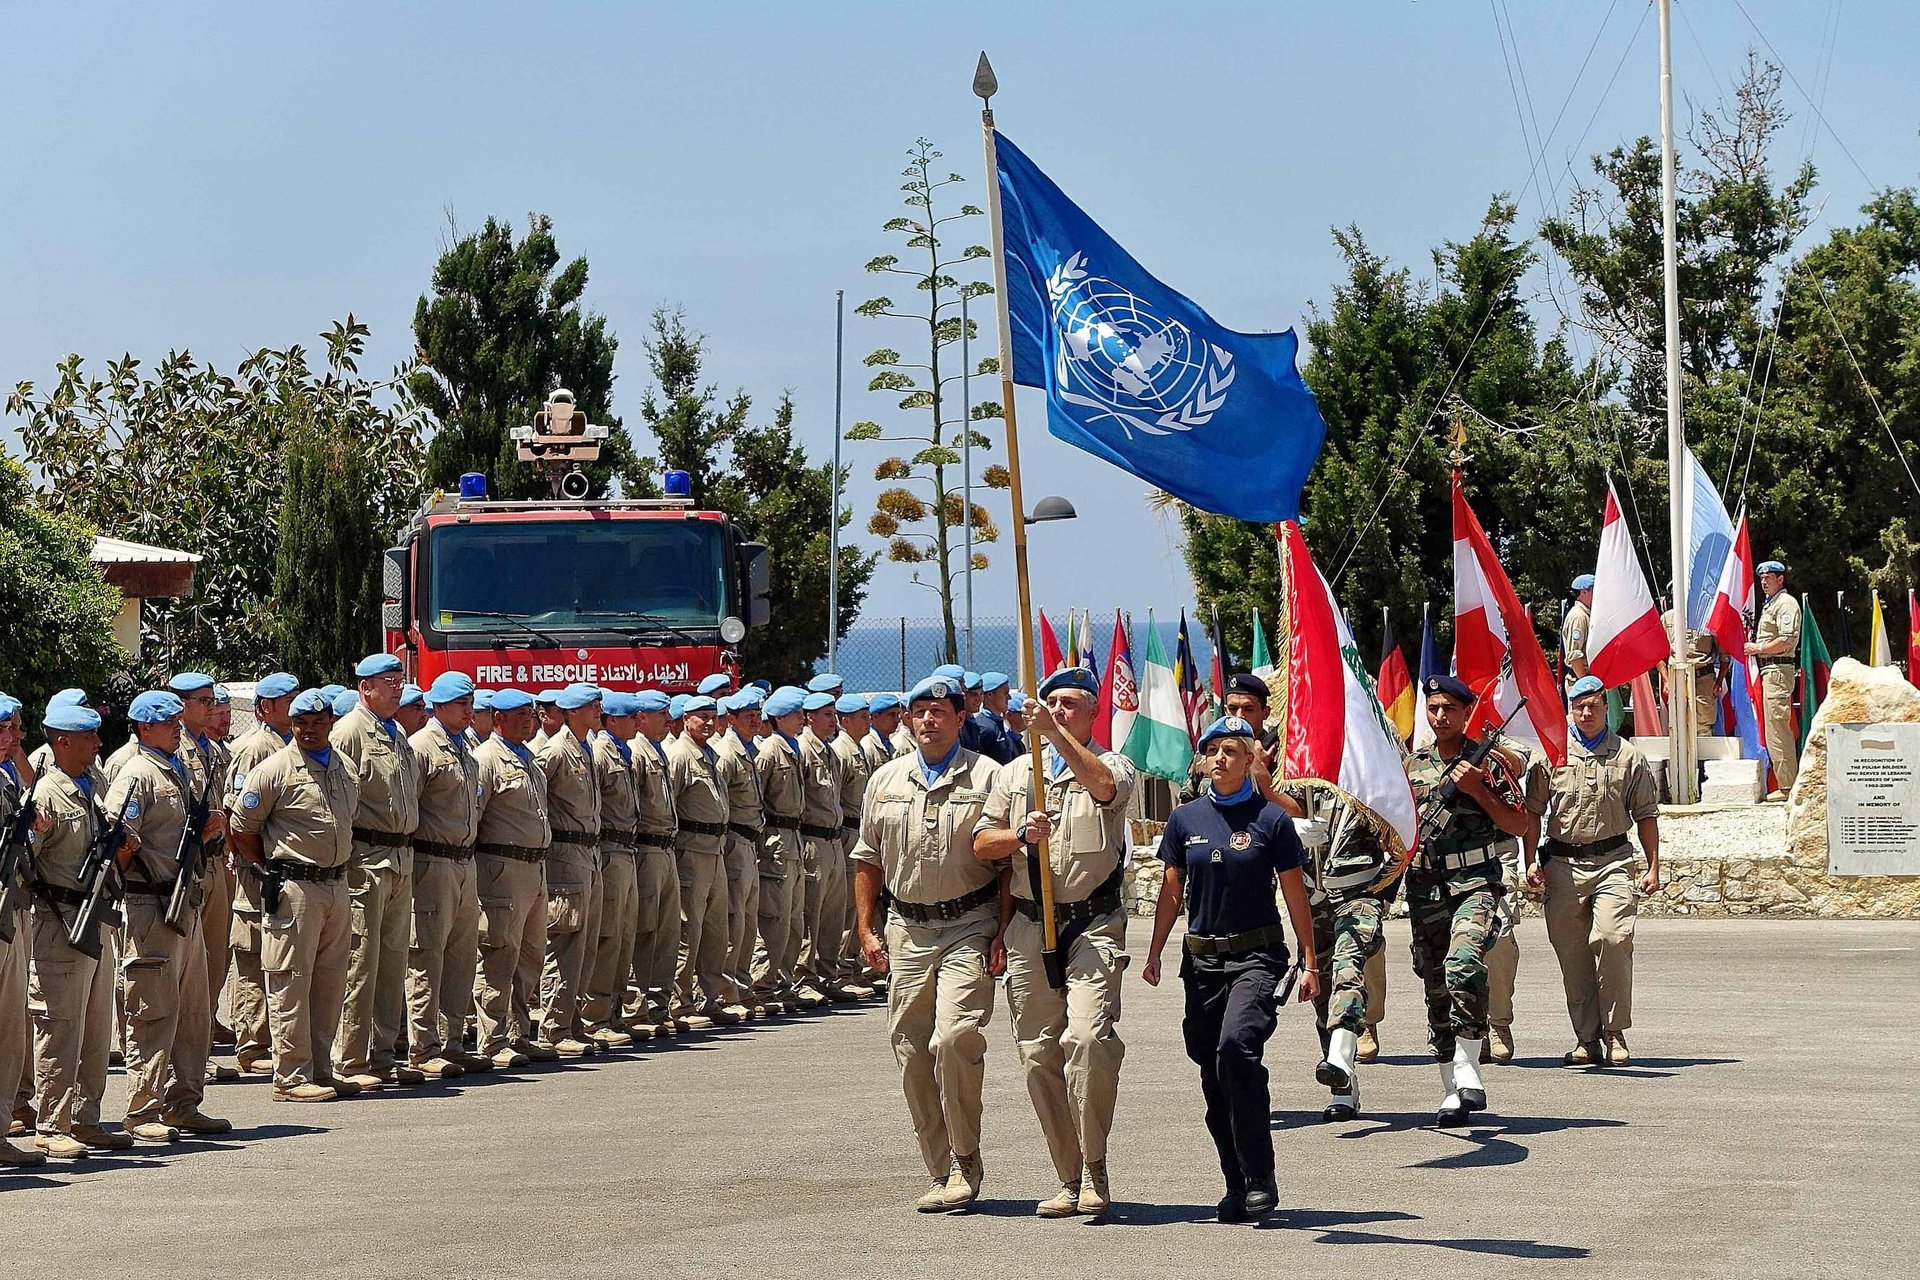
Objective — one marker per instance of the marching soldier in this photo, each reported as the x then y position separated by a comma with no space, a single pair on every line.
380,878
602,1011
169,1017
700,798
16,782
850,709
777,765
823,785
745,825
446,892
1453,888
1346,875
512,847
942,946
656,928
1573,637
1071,1034
293,823
573,870
247,1006
1247,698
1776,645
1604,789
1518,858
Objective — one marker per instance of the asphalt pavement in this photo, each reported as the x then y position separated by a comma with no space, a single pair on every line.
1770,1125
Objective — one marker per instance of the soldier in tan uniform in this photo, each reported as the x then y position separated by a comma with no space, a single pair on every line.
1776,646
851,711
247,998
444,947
883,725
1069,1040
294,822
699,791
1703,663
482,727
1603,790
1579,625
216,913
746,824
412,713
777,764
17,781
380,878
656,875
1518,853
514,834
573,870
942,946
603,1004
206,761
817,966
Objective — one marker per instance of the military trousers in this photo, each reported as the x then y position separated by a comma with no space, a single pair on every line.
778,908
169,1016
573,935
606,983
1232,1007
939,1001
1776,708
656,933
1590,911
1453,932
513,944
70,999
374,1017
303,952
1347,935
443,950
1503,961
703,930
247,985
743,911
823,912
216,928
1069,1040
16,1048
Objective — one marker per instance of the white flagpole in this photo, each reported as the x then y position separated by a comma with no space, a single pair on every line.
833,525
1680,710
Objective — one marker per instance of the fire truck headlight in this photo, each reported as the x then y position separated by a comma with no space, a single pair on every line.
732,630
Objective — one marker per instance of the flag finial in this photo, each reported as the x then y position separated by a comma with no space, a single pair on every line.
985,84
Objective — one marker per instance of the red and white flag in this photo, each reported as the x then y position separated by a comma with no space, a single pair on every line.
1625,639
1332,727
1119,695
1493,640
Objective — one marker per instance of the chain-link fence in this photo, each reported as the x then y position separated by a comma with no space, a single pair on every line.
894,653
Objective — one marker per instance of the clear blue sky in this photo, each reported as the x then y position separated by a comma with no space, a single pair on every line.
225,177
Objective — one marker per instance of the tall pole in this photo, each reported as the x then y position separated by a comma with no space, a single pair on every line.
1680,708
984,87
833,525
966,458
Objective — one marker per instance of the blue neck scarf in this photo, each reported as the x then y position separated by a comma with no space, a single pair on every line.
1244,794
930,773
11,772
518,748
85,784
1585,741
626,752
793,744
323,757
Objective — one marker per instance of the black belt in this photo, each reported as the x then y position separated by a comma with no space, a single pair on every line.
819,833
951,909
653,840
1568,849
435,849
1777,662
149,889
1233,944
619,837
385,839
307,871
853,826
703,828
784,823
1098,903
517,852
563,836
57,895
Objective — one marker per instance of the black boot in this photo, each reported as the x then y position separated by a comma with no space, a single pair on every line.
1261,1198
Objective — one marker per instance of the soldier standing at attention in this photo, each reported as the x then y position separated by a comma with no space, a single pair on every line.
1069,1040
817,965
1604,788
1225,853
380,878
512,845
247,1003
216,914
16,781
573,870
1776,645
777,765
412,714
482,727
656,928
996,743
446,895
1453,889
294,821
942,947
603,1011
700,798
745,820
883,724
851,712
1573,637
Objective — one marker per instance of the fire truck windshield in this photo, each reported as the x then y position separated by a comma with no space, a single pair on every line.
597,575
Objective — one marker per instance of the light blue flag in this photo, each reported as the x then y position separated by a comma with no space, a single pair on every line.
1709,542
1137,374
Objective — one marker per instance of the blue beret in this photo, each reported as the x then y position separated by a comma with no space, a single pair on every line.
992,680
152,707
614,703
1225,727
970,679
312,702
1080,678
69,698
717,683
277,685
935,688
1771,566
784,701
190,682
71,718
345,701
826,682
884,702
576,696
9,706
819,701
698,703
1449,687
333,690
511,699
411,694
1586,685
748,699
547,697
1583,583
950,671
449,686
764,686
221,696
483,699
648,700
375,664
677,705
850,704
1016,701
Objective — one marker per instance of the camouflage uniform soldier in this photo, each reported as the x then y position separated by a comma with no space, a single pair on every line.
1503,962
1453,895
1344,874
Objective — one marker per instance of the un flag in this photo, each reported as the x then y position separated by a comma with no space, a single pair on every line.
1137,374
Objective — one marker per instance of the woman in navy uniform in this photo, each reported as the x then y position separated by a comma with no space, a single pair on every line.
1224,852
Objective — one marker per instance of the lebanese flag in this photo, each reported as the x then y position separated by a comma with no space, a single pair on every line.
1050,660
1333,730
1119,695
1727,622
1494,641
1625,639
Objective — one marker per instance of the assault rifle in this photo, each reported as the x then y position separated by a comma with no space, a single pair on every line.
13,854
191,859
101,882
1436,815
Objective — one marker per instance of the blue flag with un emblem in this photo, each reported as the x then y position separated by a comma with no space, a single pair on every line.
1137,374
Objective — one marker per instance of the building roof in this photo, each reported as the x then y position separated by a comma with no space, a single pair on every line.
120,551
143,572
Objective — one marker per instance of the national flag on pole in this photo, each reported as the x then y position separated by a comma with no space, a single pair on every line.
1625,639
1430,665
1262,658
1733,609
1157,741
1649,715
1083,655
1193,694
1070,651
1879,649
1393,683
1136,374
1913,639
1709,536
1815,666
1493,639
1221,661
1332,728
1842,625
1119,696
1050,660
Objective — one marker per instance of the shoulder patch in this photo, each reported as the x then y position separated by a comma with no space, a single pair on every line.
133,809
251,800
239,782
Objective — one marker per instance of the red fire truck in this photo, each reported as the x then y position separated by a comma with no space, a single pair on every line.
624,594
